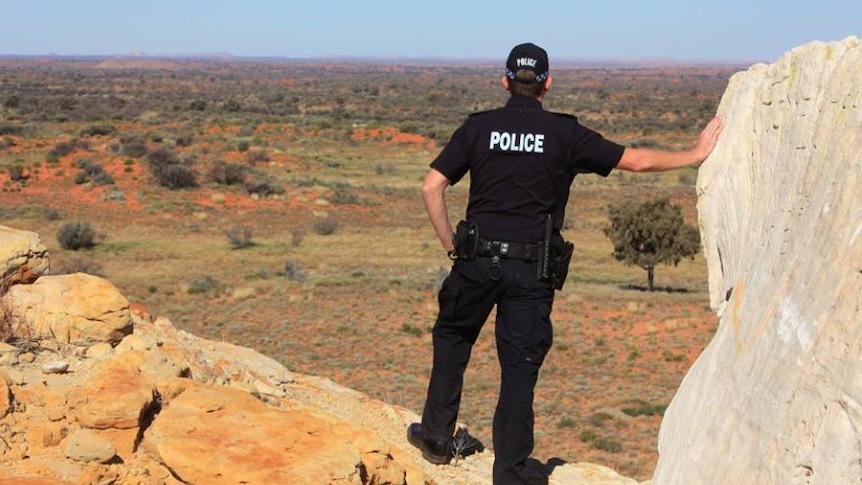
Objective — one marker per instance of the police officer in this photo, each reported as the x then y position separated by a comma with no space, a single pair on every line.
522,161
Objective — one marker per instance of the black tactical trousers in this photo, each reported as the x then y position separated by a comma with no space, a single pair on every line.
524,336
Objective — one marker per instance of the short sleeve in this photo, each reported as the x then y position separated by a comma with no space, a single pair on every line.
594,154
452,162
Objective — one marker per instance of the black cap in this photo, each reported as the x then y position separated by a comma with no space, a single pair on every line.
528,56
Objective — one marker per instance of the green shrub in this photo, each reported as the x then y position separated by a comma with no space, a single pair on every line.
411,329
567,422
607,444
643,408
76,235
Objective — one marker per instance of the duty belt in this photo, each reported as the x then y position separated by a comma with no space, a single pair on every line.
504,249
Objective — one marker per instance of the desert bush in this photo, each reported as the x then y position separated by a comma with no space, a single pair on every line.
98,130
205,285
198,105
177,177
67,103
17,172
78,264
232,105
62,149
162,158
643,408
52,214
132,145
246,130
384,169
243,145
92,172
263,187
566,422
169,171
341,194
184,140
257,156
12,101
607,444
76,235
293,271
411,329
325,226
10,129
7,142
224,173
296,237
239,237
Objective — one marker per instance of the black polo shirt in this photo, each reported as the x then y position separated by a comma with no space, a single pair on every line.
522,161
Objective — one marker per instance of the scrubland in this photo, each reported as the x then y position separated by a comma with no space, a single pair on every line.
281,211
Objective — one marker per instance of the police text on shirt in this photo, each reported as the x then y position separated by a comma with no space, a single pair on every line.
517,142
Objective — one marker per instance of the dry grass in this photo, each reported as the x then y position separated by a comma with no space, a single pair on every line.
361,311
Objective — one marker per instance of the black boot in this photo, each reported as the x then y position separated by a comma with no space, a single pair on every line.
436,452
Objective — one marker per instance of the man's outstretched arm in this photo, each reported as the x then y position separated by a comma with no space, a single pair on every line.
433,194
644,160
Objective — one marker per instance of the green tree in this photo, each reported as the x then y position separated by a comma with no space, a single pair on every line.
650,233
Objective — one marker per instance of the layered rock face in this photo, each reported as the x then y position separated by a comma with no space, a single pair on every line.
776,397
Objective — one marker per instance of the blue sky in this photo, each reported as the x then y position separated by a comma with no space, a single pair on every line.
748,30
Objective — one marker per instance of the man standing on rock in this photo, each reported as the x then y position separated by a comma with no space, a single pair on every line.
509,253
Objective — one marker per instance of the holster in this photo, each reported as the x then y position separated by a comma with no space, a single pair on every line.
554,258
466,240
561,256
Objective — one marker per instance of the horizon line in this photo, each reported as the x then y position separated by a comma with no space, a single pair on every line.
654,61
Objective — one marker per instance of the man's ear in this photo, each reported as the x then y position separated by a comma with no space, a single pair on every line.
505,81
548,83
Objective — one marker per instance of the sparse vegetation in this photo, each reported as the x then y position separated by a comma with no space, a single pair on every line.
92,172
169,171
78,264
239,236
205,286
76,235
224,173
325,226
354,140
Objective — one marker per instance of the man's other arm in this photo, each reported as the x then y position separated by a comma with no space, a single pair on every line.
644,160
433,194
